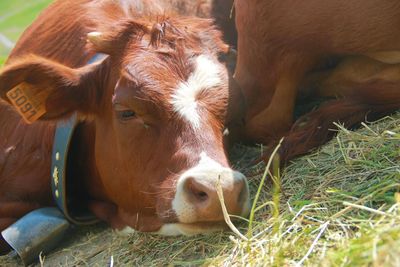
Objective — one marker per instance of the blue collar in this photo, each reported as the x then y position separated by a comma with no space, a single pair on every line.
59,186
61,146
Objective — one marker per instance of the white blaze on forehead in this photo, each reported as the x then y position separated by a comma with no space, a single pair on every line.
206,75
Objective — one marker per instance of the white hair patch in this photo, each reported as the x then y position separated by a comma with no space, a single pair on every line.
125,231
205,75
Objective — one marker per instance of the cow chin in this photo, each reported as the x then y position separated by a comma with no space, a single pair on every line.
165,226
176,229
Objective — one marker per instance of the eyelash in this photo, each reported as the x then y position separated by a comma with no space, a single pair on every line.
125,115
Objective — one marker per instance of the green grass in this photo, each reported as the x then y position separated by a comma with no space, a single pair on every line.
15,16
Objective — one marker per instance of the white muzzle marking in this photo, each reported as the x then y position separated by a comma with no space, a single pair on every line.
208,170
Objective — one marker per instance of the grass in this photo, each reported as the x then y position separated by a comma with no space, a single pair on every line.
15,16
338,206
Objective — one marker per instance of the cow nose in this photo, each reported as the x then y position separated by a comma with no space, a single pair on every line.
198,197
202,194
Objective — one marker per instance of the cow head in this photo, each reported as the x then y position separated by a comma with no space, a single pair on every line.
158,104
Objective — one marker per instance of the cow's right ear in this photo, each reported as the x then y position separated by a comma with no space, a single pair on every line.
43,89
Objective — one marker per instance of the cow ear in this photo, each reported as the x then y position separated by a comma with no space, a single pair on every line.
229,57
43,89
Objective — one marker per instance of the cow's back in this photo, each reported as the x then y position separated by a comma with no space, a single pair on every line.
333,27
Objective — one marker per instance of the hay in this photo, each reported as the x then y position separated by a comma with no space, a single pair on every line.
338,206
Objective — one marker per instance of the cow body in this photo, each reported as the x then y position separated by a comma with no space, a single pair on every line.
149,149
281,42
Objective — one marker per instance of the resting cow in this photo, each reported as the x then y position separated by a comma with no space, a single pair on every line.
280,44
149,147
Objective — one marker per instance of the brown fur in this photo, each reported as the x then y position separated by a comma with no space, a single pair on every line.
129,169
280,42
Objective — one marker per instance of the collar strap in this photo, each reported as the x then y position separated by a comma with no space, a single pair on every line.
61,145
62,141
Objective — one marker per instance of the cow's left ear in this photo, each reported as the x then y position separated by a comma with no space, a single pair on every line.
43,89
229,57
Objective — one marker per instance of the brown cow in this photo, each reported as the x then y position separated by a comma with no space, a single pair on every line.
149,149
281,41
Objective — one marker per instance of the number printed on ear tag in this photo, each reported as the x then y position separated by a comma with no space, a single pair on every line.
29,105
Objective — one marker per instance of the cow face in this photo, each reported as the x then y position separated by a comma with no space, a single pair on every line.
159,104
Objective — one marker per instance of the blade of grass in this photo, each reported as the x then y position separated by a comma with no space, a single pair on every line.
225,212
254,205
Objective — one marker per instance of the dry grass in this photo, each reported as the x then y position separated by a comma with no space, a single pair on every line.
338,206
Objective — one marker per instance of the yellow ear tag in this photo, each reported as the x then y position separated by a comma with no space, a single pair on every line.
30,105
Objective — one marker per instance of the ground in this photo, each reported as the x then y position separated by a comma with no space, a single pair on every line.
337,206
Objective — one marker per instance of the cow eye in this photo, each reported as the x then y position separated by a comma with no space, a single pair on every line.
125,115
123,112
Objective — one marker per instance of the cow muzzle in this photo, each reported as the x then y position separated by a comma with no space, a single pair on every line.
196,199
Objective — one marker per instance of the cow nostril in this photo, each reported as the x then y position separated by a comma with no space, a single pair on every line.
197,191
200,195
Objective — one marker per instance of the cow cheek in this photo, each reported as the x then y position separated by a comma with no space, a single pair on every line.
166,193
121,173
108,164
